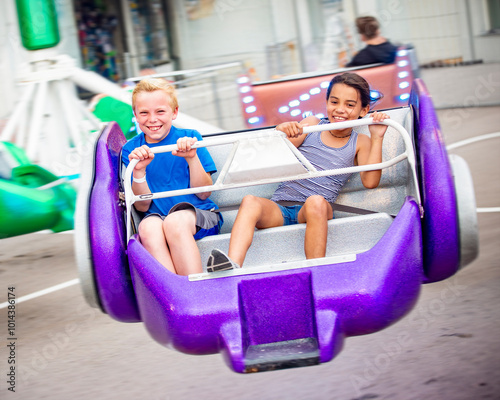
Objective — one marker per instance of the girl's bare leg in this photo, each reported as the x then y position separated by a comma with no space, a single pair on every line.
315,213
253,212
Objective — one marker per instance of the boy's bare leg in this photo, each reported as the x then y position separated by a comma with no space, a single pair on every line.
315,213
253,212
179,229
153,239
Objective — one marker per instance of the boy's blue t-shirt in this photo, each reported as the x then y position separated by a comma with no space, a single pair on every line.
169,172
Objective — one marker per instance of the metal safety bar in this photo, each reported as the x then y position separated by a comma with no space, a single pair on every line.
131,198
195,71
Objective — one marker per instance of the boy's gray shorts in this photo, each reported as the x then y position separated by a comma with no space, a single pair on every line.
208,222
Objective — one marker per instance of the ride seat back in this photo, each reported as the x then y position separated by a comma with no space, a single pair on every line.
229,200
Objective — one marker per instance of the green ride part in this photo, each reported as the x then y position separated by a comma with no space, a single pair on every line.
38,23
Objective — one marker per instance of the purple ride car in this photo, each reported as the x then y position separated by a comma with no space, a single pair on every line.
280,310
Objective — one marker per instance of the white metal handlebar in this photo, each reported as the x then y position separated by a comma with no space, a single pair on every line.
131,198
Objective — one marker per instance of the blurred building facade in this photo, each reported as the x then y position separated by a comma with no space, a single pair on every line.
120,38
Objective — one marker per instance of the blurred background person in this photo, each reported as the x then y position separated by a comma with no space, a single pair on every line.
378,49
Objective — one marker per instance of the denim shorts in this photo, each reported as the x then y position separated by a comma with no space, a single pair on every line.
290,214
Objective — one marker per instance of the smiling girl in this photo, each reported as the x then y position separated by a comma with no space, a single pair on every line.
308,200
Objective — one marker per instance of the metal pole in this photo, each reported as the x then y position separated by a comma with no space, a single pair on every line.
217,101
17,115
469,30
38,108
299,36
130,37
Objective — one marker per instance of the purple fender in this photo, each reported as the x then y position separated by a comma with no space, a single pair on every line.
107,231
299,315
440,229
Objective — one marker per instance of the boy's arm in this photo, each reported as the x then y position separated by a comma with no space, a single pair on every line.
145,156
197,174
370,151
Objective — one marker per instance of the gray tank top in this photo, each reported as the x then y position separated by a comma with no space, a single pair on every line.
322,157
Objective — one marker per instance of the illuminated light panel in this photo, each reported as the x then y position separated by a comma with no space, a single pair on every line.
307,114
283,109
402,53
315,90
244,89
247,99
250,109
253,120
320,115
403,74
402,63
404,97
404,85
294,103
374,94
304,97
295,112
324,84
243,79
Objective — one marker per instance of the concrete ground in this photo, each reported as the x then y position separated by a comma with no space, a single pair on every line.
446,348
464,86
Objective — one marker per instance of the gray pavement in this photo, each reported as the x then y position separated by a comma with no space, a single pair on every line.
464,86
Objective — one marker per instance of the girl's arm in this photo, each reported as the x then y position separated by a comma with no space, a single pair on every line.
369,150
293,129
197,174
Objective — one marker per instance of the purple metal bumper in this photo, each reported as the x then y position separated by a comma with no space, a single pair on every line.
440,229
107,231
322,304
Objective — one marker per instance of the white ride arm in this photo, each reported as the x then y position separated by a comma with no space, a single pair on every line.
308,171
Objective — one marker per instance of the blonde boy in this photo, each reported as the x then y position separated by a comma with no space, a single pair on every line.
172,224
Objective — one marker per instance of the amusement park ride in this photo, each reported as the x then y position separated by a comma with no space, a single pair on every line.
280,310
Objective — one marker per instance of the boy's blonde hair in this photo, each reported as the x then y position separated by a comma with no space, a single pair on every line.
152,84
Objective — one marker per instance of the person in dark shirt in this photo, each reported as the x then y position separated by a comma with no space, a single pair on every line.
378,49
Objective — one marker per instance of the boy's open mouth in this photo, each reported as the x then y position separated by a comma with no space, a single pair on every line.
154,128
